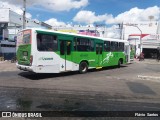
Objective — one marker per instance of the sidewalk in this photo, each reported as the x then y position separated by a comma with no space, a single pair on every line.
147,61
149,76
7,66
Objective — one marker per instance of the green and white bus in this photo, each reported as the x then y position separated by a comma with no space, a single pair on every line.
47,51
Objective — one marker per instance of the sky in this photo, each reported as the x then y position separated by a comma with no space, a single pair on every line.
84,12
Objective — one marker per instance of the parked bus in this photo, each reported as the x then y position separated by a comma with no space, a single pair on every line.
46,51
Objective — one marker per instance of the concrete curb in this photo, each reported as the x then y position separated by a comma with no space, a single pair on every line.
148,62
148,77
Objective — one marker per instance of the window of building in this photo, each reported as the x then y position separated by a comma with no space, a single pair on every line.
7,45
47,42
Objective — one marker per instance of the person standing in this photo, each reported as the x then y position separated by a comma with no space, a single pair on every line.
141,57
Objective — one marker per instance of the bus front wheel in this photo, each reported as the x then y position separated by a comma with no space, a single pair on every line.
83,67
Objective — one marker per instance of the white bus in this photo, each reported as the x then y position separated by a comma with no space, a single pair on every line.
46,51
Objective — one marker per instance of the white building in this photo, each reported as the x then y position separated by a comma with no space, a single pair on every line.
143,36
139,28
10,24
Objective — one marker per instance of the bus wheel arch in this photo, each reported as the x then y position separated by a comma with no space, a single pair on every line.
83,66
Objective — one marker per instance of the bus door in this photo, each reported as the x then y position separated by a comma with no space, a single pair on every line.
65,53
99,58
128,53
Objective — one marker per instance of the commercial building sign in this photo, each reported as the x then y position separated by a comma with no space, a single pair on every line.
154,36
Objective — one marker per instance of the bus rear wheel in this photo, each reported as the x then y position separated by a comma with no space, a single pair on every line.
83,67
119,63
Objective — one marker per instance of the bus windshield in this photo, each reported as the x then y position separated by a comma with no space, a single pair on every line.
24,37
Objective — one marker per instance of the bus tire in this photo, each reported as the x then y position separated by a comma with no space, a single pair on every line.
119,63
83,67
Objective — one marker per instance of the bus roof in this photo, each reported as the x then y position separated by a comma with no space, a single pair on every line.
74,34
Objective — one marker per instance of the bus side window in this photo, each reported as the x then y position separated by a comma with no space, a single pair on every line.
68,48
47,42
121,46
114,46
84,44
55,43
75,44
107,46
97,48
40,43
100,48
62,47
91,45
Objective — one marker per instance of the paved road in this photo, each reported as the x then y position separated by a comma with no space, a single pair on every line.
110,89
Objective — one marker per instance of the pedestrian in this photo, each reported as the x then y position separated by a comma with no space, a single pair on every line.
141,57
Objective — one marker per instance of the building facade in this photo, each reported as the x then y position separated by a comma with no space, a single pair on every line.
143,37
10,24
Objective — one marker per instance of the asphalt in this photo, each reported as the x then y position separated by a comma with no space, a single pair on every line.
7,66
111,89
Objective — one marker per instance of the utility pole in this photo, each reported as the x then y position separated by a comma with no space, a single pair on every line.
121,30
24,14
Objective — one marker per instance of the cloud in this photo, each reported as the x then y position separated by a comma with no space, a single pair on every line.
136,14
14,8
89,17
113,32
133,15
54,22
66,5
55,5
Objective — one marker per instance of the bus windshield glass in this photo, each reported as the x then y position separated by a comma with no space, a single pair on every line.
24,37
